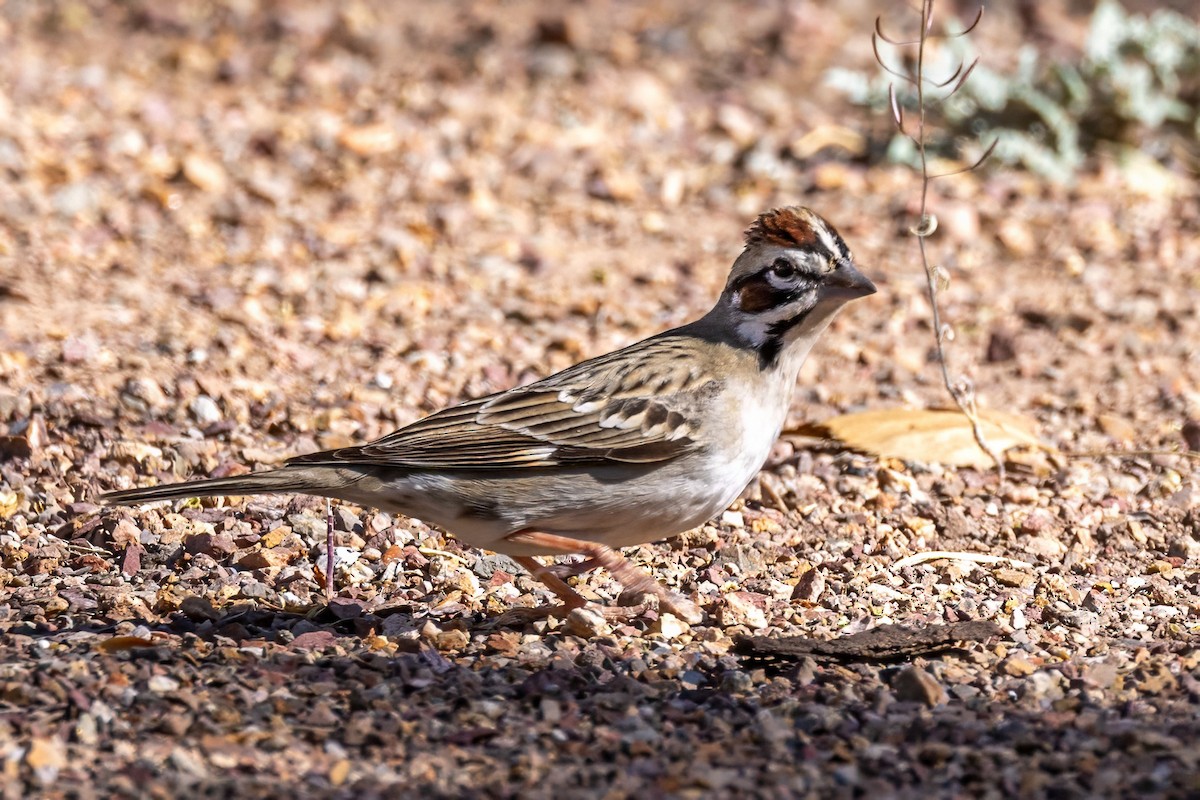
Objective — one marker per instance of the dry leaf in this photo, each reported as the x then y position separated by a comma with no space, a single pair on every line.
833,136
204,173
339,772
928,435
47,756
369,140
119,643
10,501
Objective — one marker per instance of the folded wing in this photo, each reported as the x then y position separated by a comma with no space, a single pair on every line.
622,407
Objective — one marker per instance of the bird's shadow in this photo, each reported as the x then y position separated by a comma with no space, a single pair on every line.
799,709
245,623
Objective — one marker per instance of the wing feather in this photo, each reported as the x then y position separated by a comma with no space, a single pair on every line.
606,410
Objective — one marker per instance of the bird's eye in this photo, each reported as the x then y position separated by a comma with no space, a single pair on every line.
782,268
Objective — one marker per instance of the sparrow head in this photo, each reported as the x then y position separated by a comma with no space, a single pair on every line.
793,275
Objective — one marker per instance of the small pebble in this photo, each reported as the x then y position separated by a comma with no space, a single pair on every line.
913,684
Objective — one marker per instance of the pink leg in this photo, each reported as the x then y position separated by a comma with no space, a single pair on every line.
569,597
630,576
565,571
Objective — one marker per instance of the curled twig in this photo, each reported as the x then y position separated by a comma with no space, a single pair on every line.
974,165
897,110
964,77
904,76
974,23
894,42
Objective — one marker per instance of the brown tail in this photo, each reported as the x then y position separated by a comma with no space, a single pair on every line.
276,481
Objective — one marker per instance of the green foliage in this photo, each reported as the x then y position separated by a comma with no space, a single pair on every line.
1138,75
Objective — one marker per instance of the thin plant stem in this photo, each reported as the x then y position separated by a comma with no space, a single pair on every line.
962,392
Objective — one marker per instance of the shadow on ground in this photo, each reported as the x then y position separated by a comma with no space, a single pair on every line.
256,702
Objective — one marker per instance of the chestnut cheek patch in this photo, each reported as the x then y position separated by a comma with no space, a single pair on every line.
756,296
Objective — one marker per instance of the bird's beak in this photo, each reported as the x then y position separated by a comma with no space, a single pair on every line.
846,283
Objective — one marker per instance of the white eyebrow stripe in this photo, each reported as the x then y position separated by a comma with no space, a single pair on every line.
828,240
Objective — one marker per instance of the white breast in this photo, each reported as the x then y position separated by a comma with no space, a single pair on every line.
761,415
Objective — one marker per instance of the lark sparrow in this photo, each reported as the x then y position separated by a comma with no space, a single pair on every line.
635,446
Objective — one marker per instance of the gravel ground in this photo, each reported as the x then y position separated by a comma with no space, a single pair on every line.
235,231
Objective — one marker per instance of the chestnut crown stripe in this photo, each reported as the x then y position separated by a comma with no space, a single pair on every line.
785,227
796,227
